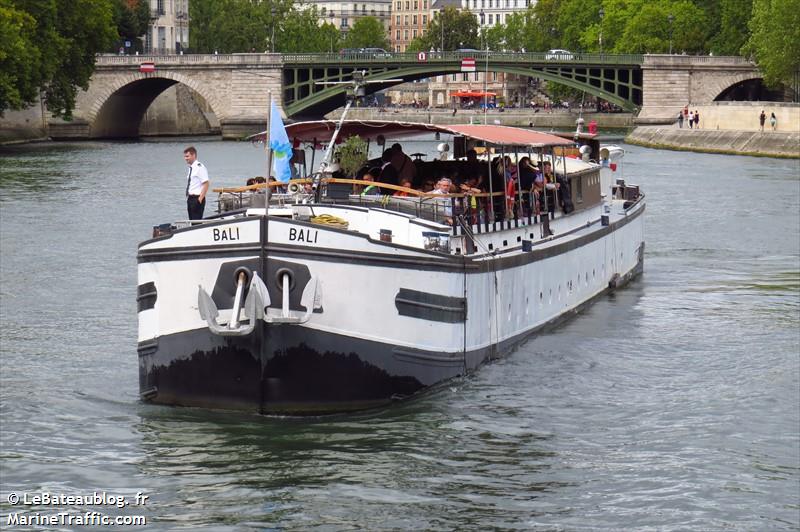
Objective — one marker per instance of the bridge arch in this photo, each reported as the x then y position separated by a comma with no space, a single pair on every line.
624,92
118,109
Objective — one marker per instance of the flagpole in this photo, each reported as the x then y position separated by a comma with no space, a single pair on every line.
269,151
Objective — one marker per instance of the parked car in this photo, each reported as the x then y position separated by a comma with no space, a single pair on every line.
558,54
368,52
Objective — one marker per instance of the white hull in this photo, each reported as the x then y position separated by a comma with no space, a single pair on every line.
411,314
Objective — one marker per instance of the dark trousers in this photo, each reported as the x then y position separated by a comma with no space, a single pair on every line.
195,207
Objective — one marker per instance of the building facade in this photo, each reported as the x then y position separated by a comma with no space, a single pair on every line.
494,12
344,14
168,32
409,20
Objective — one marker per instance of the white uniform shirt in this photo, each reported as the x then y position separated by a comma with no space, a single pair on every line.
198,176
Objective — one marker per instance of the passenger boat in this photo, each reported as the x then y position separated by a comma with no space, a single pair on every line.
328,301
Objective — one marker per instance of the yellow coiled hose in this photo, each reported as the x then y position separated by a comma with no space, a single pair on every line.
329,219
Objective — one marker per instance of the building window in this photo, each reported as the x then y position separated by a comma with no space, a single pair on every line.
491,19
476,76
344,22
408,5
405,20
364,8
454,77
465,76
397,37
483,3
424,20
490,3
424,4
399,6
494,76
414,20
416,5
397,20
405,35
414,33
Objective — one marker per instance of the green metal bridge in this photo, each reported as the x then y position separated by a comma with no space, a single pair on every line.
616,78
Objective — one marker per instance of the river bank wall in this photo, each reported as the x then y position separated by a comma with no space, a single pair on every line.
558,119
783,144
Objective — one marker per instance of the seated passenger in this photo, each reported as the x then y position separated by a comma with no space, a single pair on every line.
404,182
372,177
442,186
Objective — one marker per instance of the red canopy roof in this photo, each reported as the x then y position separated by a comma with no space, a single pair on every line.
321,131
473,94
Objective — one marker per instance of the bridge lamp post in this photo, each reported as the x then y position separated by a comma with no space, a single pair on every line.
602,13
671,19
441,27
272,12
334,30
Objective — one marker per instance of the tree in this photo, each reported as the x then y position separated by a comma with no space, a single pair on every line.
61,38
132,18
367,32
450,29
775,39
733,32
574,17
19,59
230,26
300,32
648,27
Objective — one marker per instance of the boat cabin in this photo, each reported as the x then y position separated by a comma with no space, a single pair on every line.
480,173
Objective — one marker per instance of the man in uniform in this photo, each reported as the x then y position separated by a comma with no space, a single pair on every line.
196,184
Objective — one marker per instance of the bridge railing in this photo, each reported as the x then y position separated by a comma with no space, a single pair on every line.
189,59
450,57
329,58
409,58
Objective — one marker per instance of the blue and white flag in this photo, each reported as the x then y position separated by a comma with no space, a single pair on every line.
280,146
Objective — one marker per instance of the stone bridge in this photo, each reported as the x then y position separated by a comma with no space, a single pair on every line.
236,87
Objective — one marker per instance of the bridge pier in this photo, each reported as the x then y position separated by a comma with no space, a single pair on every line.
238,128
672,81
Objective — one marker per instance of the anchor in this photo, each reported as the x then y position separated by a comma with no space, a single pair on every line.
257,298
257,305
311,299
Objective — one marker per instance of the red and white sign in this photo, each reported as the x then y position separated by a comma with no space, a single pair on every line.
468,64
422,57
147,67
